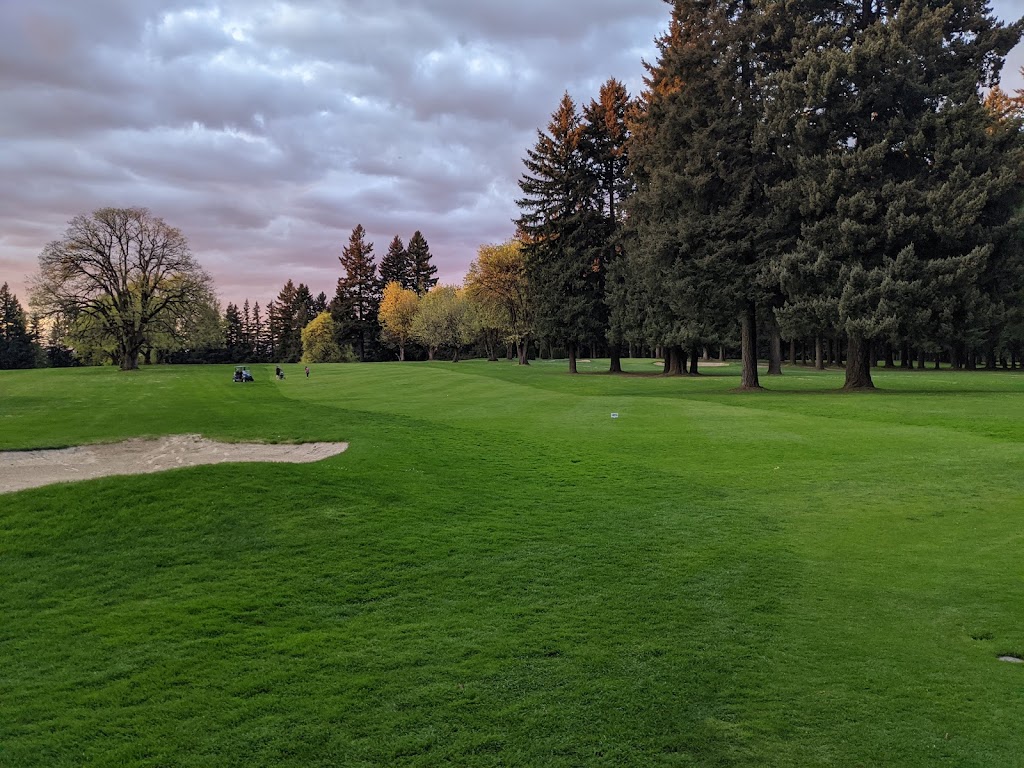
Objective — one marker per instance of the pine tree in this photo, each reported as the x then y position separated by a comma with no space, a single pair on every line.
423,272
562,233
234,334
259,334
16,346
397,266
607,135
286,324
700,224
902,188
357,298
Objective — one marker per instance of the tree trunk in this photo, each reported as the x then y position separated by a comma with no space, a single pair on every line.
706,355
721,353
858,364
890,359
615,352
401,353
572,357
819,354
748,347
694,357
990,358
920,358
792,351
430,353
677,361
774,351
523,348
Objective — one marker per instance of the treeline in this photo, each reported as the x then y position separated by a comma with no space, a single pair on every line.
829,174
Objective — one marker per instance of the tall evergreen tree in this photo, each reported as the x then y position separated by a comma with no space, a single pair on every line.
17,349
234,334
423,271
286,324
357,298
397,266
699,220
607,135
902,188
561,232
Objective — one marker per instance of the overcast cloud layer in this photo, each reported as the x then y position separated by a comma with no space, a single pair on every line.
267,130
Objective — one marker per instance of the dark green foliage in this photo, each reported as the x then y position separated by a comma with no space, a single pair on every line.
357,298
423,271
562,233
903,182
17,347
700,226
285,317
397,266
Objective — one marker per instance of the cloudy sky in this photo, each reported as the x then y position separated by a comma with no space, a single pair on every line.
267,129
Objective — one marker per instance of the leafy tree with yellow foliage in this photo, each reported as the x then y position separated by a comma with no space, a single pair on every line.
318,341
397,313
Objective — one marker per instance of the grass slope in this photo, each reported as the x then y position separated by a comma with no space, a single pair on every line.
497,573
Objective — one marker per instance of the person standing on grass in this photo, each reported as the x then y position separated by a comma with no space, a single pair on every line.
307,371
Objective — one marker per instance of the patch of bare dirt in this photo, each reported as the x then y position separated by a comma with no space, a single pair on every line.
30,469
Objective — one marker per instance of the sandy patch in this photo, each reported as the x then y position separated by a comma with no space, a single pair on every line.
30,469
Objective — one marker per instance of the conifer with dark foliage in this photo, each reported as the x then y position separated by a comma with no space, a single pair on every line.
357,298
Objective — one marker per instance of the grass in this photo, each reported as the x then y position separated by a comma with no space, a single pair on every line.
498,574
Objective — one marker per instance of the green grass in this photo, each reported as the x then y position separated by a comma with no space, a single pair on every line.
496,573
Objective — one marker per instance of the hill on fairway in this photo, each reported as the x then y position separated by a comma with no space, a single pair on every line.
497,573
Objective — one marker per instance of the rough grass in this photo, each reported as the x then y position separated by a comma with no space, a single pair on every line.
498,573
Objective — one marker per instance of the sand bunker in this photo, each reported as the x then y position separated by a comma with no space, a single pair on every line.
30,469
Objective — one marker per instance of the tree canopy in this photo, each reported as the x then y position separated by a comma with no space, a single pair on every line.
125,274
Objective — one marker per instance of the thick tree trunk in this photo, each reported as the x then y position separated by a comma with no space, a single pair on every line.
774,351
748,347
890,359
905,357
920,358
819,354
694,357
430,353
858,364
721,353
676,361
990,357
572,357
401,353
615,352
523,348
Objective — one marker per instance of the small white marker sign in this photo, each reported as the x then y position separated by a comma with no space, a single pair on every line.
615,415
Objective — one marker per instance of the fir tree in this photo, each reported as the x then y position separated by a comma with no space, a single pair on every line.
423,272
357,298
606,135
286,324
17,349
397,266
561,232
902,187
700,224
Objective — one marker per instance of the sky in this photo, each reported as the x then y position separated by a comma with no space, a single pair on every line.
266,130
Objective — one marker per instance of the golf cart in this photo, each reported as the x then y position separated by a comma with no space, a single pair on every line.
242,374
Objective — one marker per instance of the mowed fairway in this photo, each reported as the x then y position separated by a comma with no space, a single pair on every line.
496,573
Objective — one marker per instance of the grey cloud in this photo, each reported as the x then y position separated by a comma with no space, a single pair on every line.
266,130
